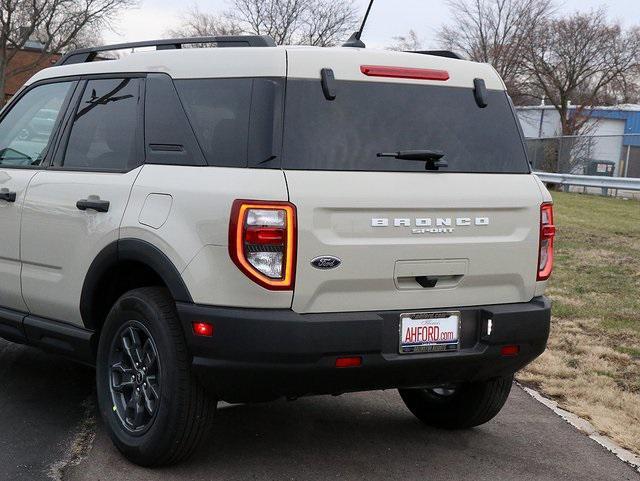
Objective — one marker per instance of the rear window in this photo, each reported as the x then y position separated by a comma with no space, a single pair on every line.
371,117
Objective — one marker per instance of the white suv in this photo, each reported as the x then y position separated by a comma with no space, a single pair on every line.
253,222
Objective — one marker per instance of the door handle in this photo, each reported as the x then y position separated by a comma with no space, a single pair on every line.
93,203
8,196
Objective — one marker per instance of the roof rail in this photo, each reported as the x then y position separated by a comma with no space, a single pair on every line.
439,53
83,55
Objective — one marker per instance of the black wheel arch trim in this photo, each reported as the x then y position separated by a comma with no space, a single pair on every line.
130,250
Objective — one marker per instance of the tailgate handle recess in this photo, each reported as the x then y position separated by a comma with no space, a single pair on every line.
430,274
426,281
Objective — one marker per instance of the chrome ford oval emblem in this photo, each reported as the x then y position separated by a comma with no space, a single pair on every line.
326,262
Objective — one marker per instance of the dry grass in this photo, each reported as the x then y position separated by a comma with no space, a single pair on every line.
592,364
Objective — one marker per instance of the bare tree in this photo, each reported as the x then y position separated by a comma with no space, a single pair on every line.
626,88
406,43
280,19
326,23
623,91
310,22
56,24
196,23
496,32
574,60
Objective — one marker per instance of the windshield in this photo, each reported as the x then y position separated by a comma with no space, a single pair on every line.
368,118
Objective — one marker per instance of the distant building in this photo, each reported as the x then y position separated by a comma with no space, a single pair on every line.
31,58
616,132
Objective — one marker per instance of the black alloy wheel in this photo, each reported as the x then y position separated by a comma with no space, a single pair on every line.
136,375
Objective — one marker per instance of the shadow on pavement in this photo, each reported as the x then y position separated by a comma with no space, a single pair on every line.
372,436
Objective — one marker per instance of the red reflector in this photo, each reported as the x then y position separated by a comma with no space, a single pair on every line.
264,235
403,72
202,329
349,361
510,351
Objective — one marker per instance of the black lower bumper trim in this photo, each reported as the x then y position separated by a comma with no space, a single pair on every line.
259,354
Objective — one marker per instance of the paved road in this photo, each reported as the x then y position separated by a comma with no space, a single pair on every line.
42,403
367,436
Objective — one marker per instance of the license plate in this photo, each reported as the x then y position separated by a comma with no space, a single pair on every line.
429,332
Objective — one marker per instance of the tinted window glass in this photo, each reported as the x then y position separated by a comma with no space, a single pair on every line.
168,136
371,117
26,129
265,127
219,111
105,132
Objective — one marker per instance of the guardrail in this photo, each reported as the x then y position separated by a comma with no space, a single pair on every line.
621,183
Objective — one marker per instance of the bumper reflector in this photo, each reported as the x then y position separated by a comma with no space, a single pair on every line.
202,329
355,361
510,351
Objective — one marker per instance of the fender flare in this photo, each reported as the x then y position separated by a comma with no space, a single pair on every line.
130,250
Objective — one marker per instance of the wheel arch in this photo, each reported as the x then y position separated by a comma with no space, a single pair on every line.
141,263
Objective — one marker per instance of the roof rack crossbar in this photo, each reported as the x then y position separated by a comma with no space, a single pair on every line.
83,55
438,53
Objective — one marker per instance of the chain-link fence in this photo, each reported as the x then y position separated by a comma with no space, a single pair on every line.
613,155
599,155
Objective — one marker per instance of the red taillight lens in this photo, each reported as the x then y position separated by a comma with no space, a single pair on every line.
403,72
547,234
262,242
254,235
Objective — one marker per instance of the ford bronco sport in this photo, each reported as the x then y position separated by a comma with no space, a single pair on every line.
255,222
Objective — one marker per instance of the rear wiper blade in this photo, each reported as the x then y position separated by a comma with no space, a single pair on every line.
431,157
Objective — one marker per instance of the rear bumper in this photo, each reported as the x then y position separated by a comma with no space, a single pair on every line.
260,354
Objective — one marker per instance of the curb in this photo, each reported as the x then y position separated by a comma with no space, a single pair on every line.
587,428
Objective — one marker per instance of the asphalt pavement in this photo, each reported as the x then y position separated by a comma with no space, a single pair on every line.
367,436
43,401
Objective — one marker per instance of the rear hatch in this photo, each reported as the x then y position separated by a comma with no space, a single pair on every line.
406,237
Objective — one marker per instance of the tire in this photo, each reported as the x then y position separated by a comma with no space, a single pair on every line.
465,406
155,410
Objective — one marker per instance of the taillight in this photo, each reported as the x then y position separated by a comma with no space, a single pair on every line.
547,234
262,242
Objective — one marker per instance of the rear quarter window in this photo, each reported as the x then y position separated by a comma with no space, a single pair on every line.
237,121
371,117
218,110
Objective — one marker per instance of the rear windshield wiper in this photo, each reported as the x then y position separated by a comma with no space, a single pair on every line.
431,157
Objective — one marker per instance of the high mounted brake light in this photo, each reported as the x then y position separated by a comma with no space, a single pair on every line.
547,234
262,242
403,72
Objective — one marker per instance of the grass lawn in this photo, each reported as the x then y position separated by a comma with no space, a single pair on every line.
592,364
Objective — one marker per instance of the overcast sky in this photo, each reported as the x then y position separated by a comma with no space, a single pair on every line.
388,17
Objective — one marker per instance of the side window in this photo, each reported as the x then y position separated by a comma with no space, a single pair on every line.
26,129
219,111
105,134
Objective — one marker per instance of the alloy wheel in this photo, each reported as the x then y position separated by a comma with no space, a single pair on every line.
135,376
